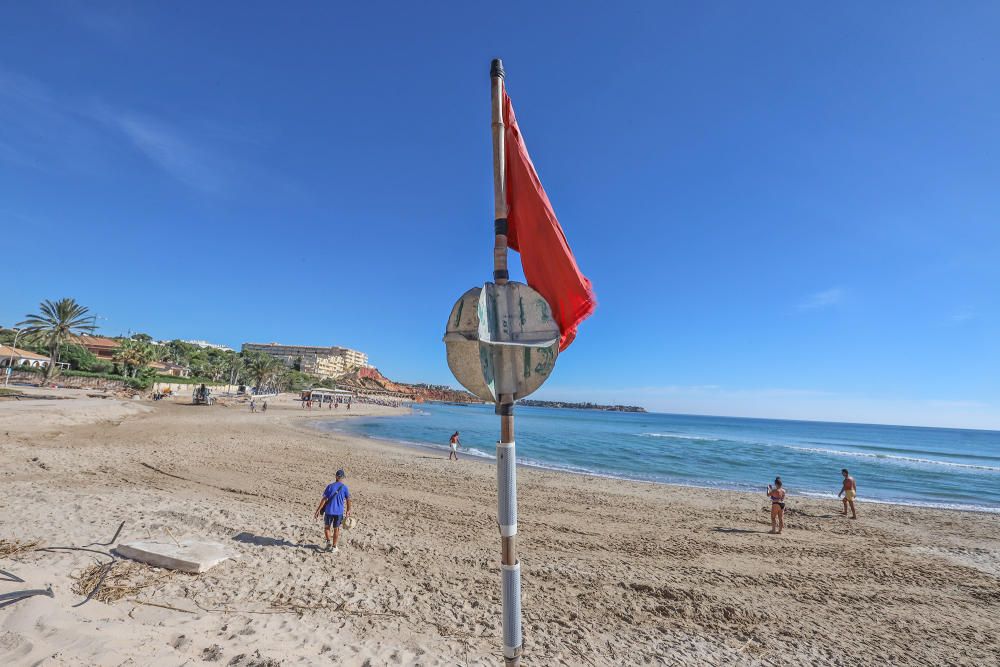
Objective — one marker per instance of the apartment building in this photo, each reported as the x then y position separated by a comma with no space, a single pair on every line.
321,361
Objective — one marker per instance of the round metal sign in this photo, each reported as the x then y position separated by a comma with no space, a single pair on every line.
501,339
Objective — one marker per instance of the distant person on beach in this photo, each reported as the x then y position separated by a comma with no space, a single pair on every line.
253,405
453,445
777,496
335,505
850,491
263,407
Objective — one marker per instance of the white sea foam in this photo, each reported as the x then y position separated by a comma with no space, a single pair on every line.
895,457
472,451
679,436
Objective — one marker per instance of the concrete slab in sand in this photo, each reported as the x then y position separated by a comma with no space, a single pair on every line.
190,556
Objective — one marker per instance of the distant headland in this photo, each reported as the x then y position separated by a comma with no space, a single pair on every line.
581,406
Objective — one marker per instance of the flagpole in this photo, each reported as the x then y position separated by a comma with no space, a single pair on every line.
510,568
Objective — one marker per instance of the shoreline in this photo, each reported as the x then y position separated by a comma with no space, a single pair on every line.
480,455
972,429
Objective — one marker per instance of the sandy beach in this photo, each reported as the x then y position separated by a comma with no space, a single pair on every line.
614,573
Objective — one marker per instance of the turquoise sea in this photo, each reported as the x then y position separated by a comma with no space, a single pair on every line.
937,467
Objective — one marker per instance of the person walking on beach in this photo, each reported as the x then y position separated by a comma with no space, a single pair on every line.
777,496
253,405
453,445
263,407
850,491
336,502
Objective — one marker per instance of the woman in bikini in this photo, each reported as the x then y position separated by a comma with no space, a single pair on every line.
777,496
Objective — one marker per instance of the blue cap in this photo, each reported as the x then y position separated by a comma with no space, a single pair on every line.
341,473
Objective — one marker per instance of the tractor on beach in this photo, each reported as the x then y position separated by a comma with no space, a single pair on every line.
202,395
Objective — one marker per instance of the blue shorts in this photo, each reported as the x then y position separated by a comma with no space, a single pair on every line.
333,520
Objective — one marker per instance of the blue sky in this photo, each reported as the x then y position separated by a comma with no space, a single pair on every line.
787,210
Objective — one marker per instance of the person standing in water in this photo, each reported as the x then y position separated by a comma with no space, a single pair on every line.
453,445
850,491
777,496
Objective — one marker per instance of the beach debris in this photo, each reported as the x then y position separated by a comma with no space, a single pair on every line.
10,548
253,660
17,596
109,542
211,653
117,580
10,576
192,556
171,535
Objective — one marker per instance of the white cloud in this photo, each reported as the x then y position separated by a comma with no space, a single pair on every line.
823,299
168,149
963,316
52,131
21,89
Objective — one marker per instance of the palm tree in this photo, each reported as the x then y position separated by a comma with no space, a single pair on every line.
55,324
216,369
263,369
234,366
134,355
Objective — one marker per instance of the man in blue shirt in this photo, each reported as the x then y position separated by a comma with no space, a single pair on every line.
337,503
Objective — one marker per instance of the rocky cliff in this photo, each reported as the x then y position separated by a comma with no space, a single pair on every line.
371,381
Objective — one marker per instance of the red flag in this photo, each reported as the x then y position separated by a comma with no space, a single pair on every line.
534,231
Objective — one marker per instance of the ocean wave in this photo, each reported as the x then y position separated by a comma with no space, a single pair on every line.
910,459
679,436
889,448
579,470
559,461
472,451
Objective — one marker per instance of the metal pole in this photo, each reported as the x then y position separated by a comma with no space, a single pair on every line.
10,362
510,568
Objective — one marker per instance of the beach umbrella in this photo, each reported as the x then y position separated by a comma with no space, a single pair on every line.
503,338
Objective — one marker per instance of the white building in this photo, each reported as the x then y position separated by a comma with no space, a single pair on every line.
206,344
321,361
14,357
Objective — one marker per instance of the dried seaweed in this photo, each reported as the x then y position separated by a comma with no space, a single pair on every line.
110,582
10,548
